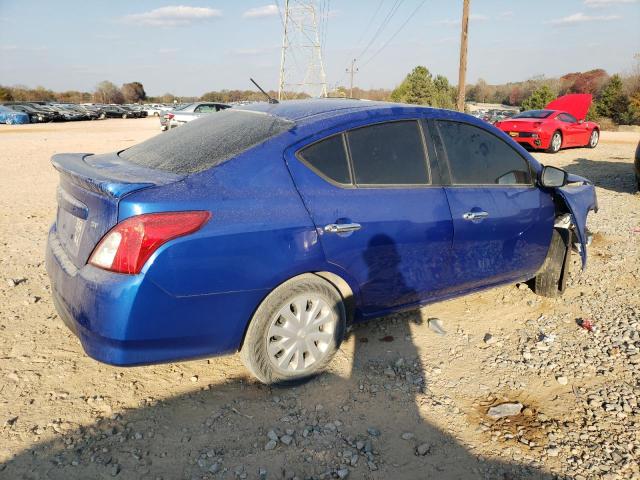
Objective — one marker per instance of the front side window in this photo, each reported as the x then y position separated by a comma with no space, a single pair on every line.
329,158
476,157
388,154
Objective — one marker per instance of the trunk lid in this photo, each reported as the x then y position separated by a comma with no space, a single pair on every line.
88,194
519,124
577,104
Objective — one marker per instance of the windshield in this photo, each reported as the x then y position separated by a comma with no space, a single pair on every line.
206,142
534,114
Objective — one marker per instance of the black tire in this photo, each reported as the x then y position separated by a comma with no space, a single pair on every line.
548,281
593,143
557,147
254,352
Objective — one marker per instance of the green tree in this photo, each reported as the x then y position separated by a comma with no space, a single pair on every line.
538,99
616,104
419,87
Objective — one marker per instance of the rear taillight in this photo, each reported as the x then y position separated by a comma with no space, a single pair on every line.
169,116
128,245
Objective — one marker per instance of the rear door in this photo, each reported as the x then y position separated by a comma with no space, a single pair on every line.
382,218
502,222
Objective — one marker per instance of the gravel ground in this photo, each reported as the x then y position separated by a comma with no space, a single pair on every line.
399,401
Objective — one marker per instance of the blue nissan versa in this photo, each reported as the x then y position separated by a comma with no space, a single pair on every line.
267,228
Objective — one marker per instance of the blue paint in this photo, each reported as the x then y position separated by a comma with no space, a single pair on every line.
196,294
11,117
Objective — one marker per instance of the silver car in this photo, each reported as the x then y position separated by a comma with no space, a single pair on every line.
175,118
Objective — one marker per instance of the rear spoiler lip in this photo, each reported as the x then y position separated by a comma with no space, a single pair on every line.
108,174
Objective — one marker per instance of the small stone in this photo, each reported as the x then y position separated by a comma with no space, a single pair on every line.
423,449
562,380
505,410
272,435
194,378
286,439
214,468
489,339
374,432
435,324
271,444
115,470
407,436
343,473
262,473
553,451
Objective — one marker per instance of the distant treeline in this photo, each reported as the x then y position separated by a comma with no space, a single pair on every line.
617,97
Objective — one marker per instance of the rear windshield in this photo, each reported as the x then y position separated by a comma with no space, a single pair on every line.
534,114
206,142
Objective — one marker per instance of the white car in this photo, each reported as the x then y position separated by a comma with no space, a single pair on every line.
175,118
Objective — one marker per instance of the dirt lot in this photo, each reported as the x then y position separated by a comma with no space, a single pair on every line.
400,401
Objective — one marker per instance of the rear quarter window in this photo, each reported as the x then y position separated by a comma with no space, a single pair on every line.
206,142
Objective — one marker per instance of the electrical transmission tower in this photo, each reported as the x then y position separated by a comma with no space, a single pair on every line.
301,67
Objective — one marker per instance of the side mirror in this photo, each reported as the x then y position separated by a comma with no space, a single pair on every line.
553,177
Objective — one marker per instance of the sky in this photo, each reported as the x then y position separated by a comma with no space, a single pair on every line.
190,47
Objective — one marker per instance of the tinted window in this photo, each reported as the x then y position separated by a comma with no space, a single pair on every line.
477,157
206,142
388,154
329,158
534,114
565,117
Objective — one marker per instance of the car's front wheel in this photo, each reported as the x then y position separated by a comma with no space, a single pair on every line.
295,331
593,139
556,143
548,282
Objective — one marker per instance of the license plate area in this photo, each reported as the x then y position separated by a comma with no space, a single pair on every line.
70,229
513,134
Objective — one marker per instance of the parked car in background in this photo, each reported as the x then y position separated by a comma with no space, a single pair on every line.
192,111
560,125
35,115
253,230
153,110
12,117
636,164
114,111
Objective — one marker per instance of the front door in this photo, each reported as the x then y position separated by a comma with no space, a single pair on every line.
502,222
382,222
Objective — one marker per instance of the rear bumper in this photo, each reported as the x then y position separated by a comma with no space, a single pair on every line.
128,320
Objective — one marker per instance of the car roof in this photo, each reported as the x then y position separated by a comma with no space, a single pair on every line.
300,110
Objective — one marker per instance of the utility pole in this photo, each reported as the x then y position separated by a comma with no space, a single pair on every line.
462,74
351,71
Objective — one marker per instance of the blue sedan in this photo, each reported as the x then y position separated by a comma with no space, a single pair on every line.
267,229
11,117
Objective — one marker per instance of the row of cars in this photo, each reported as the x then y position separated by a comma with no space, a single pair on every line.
181,114
493,115
37,112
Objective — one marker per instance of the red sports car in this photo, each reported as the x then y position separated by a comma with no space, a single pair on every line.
561,124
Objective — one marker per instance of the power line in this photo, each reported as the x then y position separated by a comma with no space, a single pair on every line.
382,26
404,24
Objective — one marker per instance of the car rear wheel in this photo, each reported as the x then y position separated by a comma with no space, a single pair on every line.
593,139
295,331
548,281
556,143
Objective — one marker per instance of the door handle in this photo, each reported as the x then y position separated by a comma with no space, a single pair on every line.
475,215
342,227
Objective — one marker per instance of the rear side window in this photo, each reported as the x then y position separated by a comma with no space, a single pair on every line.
329,158
388,154
477,157
206,142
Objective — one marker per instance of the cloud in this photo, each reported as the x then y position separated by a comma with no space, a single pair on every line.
577,18
173,16
505,15
261,12
168,50
606,3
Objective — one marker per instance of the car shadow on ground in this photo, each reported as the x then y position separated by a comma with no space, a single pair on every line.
370,420
615,176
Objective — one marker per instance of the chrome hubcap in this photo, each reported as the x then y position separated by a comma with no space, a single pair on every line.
301,333
594,138
556,142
